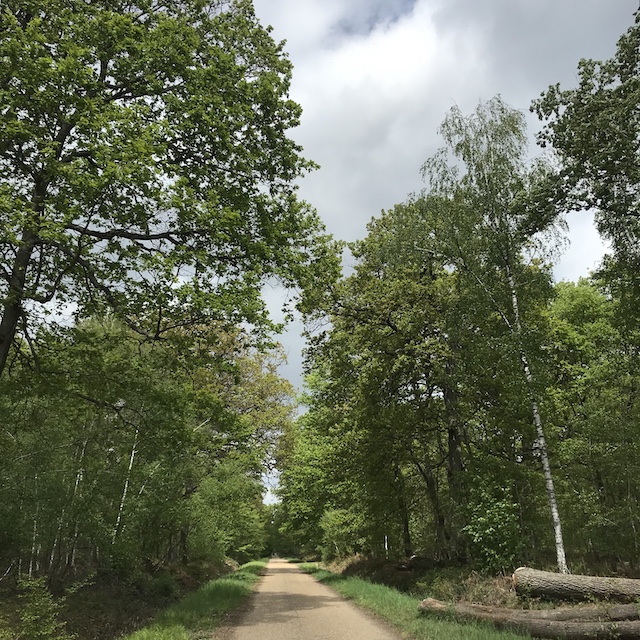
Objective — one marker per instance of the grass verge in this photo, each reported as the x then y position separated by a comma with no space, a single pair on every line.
401,610
198,614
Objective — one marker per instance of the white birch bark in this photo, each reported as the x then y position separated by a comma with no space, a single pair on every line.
71,554
125,489
33,562
541,443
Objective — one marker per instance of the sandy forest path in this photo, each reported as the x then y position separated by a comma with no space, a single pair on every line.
291,605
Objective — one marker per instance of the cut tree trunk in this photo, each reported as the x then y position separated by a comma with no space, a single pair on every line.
574,587
620,621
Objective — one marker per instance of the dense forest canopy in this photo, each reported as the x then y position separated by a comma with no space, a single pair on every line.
147,195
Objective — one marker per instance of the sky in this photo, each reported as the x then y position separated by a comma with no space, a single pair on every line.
375,78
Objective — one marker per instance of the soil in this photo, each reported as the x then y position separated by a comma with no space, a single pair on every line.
291,604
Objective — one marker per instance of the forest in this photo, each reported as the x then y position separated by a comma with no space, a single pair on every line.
463,407
460,406
146,197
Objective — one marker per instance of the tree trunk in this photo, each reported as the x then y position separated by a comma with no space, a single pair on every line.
442,534
621,622
541,444
404,514
34,564
71,554
455,464
544,583
184,545
118,526
12,309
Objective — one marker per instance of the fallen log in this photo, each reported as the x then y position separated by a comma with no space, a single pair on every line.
574,587
586,623
610,613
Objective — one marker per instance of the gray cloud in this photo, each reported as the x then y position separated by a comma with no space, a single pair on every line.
376,77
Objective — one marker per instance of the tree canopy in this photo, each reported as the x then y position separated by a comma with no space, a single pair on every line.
595,130
145,165
457,396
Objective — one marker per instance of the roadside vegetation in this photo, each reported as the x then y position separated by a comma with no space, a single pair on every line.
167,607
462,406
197,615
401,609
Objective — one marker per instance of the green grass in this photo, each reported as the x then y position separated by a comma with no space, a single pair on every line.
401,610
198,614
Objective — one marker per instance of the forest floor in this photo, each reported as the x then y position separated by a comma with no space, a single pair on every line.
457,583
107,607
448,583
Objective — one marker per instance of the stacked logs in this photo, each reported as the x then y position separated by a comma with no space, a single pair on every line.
595,622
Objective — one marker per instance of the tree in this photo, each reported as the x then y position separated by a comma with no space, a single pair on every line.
492,206
595,400
595,128
127,452
145,165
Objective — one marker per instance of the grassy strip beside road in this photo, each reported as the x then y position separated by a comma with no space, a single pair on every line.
202,611
402,610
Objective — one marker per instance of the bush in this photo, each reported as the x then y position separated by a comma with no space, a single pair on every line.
39,614
494,530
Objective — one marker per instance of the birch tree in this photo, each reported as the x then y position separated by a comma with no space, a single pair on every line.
494,206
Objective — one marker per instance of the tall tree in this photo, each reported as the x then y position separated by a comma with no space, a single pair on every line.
595,130
493,204
145,164
595,403
127,449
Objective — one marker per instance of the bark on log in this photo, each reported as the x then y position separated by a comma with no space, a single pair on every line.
574,587
588,623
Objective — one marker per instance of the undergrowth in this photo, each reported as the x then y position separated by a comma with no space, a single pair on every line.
195,616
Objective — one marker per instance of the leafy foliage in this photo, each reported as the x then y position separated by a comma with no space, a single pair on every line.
127,451
145,165
40,613
451,372
594,128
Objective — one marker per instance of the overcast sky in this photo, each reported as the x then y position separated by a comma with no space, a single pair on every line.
376,77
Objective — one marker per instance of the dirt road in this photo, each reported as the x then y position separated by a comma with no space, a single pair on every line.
291,605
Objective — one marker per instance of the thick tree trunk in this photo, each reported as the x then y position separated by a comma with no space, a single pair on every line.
442,534
455,464
406,531
12,308
620,621
574,587
404,514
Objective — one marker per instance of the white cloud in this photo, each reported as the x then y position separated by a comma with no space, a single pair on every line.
376,77
585,251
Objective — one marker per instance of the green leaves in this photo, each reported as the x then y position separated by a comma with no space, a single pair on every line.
123,450
144,152
594,128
